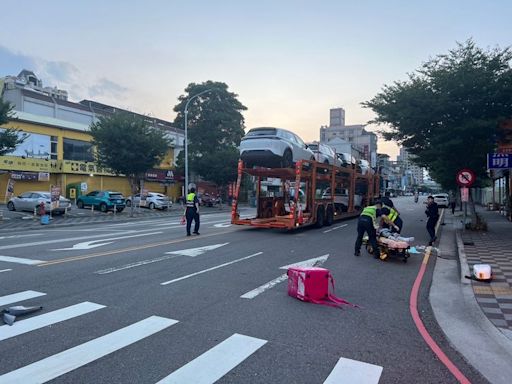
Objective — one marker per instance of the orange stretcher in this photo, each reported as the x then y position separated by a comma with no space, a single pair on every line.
389,247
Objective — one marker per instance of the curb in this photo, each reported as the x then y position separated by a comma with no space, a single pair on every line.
463,261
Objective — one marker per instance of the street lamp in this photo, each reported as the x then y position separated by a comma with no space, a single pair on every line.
186,136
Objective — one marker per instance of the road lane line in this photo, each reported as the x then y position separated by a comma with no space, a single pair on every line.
5,270
36,322
20,260
20,296
129,249
133,265
335,228
211,269
347,371
216,362
56,365
18,236
255,292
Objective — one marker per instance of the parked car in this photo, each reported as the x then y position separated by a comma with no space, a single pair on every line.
207,199
341,198
442,200
273,147
363,166
346,159
27,201
324,153
104,200
153,200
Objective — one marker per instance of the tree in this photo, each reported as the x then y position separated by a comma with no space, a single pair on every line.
448,111
9,138
127,144
215,128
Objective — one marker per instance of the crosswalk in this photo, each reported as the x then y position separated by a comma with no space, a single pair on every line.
206,368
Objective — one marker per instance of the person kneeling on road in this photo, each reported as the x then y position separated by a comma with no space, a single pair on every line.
368,222
192,211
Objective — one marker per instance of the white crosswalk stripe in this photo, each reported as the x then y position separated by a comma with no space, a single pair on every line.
216,362
20,296
37,322
56,365
349,371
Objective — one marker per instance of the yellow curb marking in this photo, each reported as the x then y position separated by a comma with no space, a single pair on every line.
492,290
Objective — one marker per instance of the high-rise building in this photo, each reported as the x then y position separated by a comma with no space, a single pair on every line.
413,174
363,142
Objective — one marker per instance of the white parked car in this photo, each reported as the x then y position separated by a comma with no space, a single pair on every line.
27,201
273,147
442,200
324,153
153,200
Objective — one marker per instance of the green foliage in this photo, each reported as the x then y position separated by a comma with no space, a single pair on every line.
447,112
215,128
9,138
127,144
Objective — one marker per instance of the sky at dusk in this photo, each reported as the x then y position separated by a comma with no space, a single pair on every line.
289,61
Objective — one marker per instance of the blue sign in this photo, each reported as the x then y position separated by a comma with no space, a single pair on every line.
499,160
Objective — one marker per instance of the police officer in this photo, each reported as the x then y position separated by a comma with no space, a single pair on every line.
368,222
432,213
192,211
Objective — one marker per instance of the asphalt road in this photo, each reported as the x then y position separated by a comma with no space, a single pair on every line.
181,302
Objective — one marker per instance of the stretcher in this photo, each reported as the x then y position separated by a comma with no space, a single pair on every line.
389,247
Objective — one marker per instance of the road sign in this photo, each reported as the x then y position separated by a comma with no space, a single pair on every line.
466,177
464,194
499,160
83,187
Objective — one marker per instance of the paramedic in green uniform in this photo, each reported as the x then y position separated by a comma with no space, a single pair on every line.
369,222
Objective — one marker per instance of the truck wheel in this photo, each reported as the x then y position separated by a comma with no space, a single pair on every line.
320,216
329,218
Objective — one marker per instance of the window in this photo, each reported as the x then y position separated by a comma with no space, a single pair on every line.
77,150
53,147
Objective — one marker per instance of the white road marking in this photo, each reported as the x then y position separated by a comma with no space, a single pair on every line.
5,270
20,260
216,362
20,296
36,322
89,244
348,371
37,243
306,263
335,228
193,252
133,265
56,365
177,224
18,236
211,269
222,225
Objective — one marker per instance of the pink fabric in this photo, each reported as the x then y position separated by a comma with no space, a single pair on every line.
393,243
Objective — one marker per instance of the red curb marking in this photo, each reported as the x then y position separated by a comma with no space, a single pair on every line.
413,306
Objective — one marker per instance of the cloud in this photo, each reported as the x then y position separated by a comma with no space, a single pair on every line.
107,88
63,75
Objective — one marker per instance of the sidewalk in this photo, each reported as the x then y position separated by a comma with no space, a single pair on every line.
475,316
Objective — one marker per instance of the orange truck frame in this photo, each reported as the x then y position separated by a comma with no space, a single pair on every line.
309,194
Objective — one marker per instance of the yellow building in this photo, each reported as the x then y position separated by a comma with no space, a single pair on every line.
57,150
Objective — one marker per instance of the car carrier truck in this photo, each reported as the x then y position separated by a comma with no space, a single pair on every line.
310,194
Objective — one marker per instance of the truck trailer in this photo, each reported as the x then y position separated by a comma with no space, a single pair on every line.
310,194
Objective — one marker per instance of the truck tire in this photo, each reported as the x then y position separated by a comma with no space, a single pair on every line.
329,218
320,217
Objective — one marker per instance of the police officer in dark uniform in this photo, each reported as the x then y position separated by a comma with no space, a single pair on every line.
432,213
192,211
